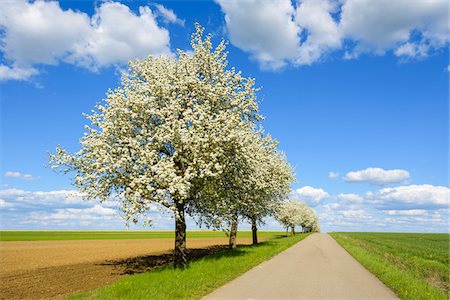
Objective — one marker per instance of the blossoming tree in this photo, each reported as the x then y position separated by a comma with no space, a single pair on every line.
164,133
257,177
294,212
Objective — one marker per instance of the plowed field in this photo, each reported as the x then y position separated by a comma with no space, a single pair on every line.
51,269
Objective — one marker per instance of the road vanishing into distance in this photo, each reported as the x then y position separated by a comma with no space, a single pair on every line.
315,268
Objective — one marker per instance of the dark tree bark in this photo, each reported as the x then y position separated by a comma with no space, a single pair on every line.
287,228
233,232
254,231
180,238
293,230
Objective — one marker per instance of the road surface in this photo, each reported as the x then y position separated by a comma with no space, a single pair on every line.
315,268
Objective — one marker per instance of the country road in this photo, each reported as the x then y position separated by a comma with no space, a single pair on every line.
315,268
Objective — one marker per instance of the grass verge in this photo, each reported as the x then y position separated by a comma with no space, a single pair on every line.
414,266
55,235
198,279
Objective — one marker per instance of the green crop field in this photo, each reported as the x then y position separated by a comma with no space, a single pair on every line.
124,234
413,265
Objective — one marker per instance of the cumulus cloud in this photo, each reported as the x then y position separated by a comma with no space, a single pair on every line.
17,73
13,174
333,175
4,204
310,195
64,209
381,25
42,33
322,32
409,212
95,216
407,208
411,50
266,29
168,15
91,213
277,33
351,198
377,176
67,209
425,196
41,198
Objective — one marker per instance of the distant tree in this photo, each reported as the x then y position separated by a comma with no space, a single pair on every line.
308,219
164,134
294,212
287,213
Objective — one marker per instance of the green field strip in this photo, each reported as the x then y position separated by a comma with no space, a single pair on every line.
50,235
413,265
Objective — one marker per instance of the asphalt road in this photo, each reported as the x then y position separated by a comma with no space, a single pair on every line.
315,268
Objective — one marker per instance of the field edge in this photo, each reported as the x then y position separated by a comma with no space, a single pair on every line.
200,278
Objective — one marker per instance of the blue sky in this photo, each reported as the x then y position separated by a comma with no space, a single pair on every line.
355,91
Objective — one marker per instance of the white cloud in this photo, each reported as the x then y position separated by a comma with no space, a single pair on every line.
412,50
356,214
42,33
91,213
351,198
66,209
266,29
381,25
377,215
41,198
377,176
12,174
96,215
409,212
4,204
425,196
333,175
276,33
310,195
314,17
168,15
16,73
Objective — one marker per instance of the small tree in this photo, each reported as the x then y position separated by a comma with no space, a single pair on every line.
294,212
306,219
272,186
288,214
164,134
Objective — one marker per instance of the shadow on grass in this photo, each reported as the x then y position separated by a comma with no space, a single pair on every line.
141,264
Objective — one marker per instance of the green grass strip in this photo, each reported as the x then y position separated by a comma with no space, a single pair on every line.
51,235
401,281
201,277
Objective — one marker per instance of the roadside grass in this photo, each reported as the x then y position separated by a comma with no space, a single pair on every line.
7,235
413,265
201,277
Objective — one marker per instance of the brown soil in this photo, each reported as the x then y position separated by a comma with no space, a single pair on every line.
51,269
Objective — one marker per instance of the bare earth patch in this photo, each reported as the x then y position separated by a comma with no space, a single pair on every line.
51,269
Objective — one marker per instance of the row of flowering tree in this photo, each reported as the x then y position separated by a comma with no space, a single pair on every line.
182,132
291,213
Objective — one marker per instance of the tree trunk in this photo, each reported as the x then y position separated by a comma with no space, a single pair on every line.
254,231
180,238
287,228
293,230
233,232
